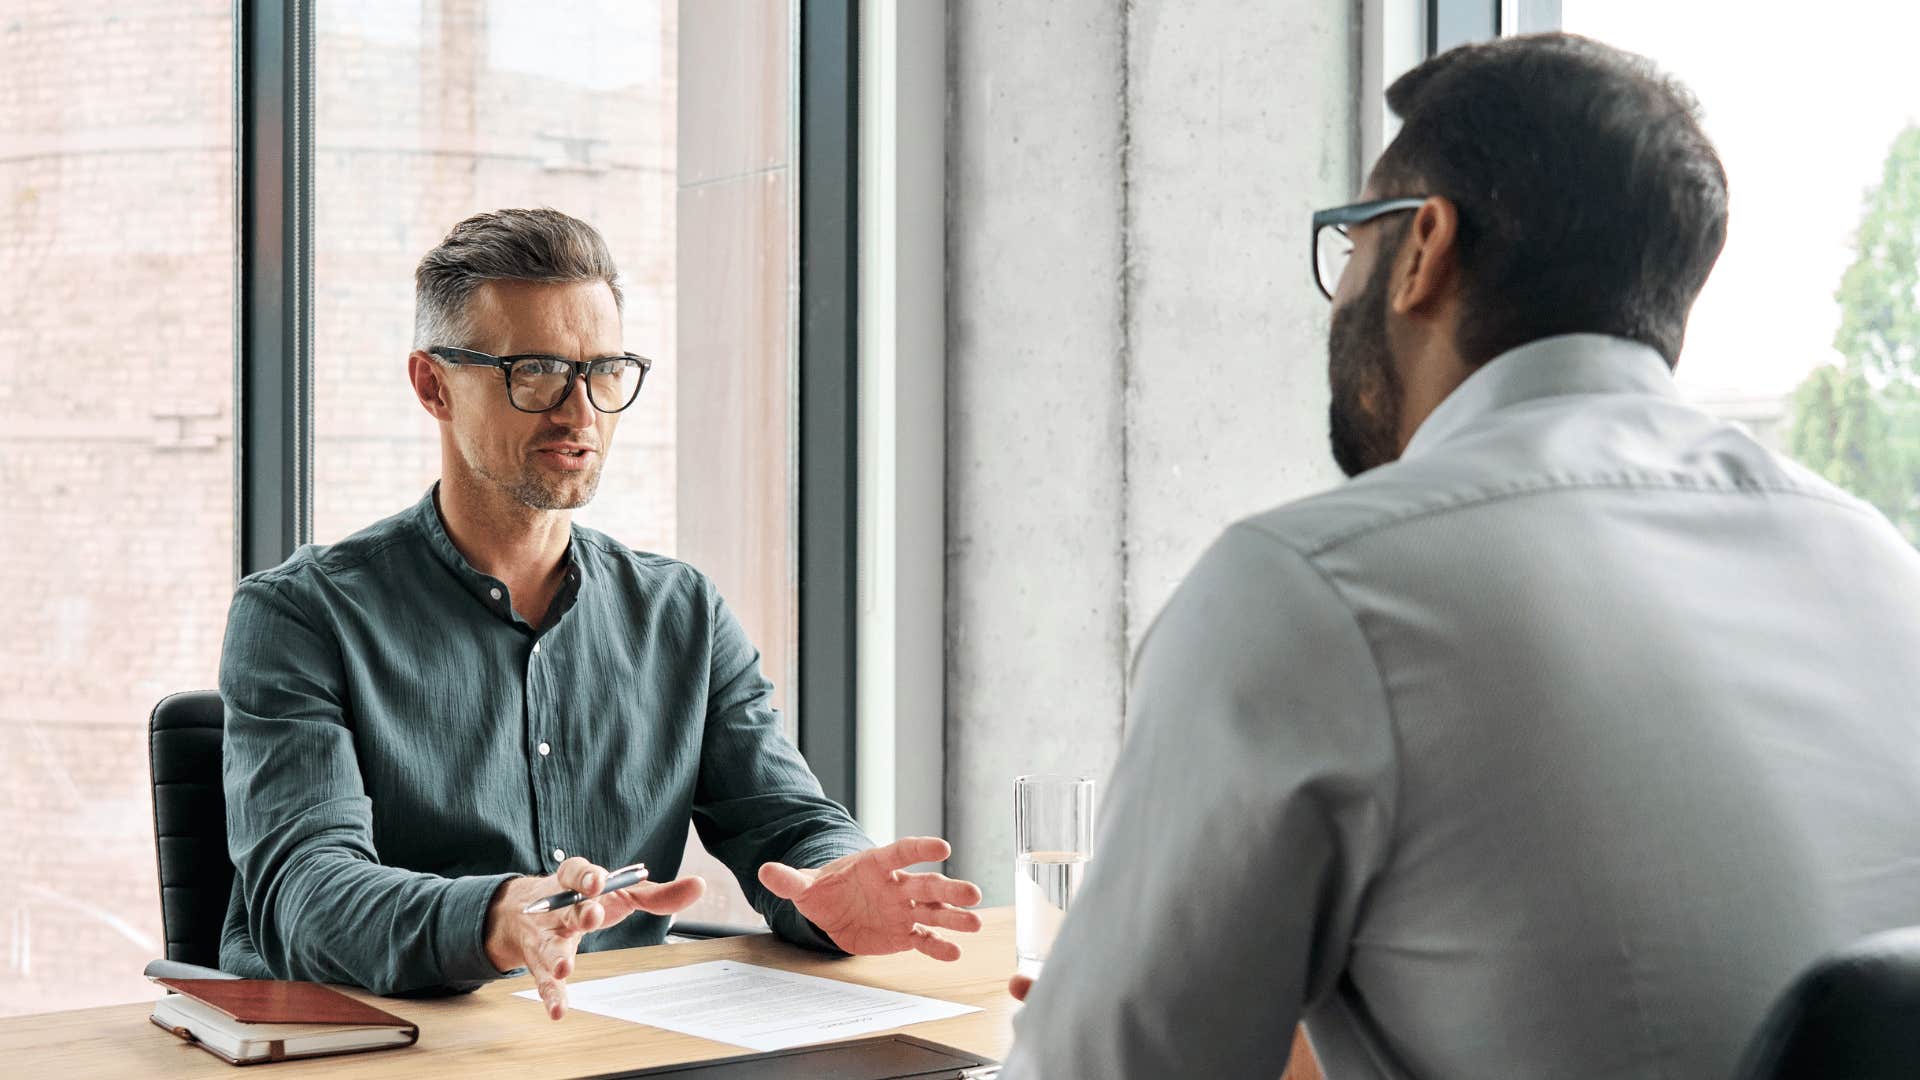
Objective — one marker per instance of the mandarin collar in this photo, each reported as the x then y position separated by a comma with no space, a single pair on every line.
490,591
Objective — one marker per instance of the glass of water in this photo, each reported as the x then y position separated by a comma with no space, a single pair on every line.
1052,843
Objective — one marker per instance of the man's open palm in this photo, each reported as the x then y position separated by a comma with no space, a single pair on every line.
869,904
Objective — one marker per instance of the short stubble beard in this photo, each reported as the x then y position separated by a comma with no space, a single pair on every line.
539,492
1363,417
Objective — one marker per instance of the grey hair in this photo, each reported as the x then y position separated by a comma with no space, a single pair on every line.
541,245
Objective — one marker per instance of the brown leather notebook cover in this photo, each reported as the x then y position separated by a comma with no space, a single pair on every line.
271,1001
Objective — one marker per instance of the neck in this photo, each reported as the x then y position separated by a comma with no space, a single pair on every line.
501,536
1431,370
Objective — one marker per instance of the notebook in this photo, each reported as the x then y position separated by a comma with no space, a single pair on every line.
249,1020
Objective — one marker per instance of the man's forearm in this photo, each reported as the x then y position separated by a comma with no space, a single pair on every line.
330,916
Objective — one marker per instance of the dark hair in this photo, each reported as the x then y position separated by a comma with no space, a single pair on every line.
542,245
1590,200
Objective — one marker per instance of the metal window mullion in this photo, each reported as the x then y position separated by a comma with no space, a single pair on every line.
273,289
828,383
1533,17
1457,22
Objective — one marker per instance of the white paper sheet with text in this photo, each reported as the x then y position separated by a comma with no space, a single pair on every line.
756,1007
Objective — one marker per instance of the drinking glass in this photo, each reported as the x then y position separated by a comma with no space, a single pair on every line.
1053,843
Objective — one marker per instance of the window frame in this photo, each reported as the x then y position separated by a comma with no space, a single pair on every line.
1529,16
1396,35
273,281
1457,22
827,360
901,707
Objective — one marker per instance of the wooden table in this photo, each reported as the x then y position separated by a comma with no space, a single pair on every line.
492,1033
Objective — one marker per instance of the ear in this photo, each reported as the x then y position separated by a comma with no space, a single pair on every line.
430,385
1429,258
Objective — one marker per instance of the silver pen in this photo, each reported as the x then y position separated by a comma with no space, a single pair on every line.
619,879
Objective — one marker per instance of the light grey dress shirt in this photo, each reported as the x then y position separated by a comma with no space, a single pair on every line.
1554,749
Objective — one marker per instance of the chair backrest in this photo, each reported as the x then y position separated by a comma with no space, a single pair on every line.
1855,1013
190,824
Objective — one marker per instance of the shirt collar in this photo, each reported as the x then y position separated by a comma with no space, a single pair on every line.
489,590
1550,367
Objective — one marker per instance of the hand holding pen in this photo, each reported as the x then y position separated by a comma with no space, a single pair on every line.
619,879
530,925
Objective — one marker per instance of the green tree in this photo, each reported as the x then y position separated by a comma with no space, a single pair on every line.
1858,422
1841,431
1880,293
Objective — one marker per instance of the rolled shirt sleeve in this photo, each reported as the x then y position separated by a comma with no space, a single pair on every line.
756,800
1251,805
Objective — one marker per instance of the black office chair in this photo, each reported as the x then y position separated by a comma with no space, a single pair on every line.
1854,1014
190,824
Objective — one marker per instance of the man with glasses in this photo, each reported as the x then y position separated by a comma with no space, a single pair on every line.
476,704
1572,727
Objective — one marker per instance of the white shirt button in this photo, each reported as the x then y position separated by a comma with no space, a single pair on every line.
495,593
536,647
545,749
559,856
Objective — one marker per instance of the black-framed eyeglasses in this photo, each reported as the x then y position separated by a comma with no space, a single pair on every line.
537,382
1331,246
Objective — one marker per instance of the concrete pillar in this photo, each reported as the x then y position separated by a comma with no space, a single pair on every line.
1136,351
1241,115
1035,334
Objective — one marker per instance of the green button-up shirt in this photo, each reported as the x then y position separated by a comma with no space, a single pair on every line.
399,742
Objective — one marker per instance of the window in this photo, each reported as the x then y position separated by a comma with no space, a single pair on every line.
116,460
1809,329
428,112
119,253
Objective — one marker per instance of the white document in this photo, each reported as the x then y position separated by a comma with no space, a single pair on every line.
756,1007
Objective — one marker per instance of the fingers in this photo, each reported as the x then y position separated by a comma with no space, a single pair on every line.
582,918
1020,986
931,943
553,994
557,954
548,982
913,850
581,876
783,881
947,918
938,889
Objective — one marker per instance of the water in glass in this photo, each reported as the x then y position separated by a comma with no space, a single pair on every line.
1044,883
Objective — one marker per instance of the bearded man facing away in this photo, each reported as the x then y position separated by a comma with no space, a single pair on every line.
1557,741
